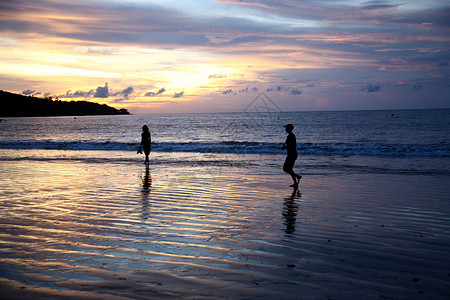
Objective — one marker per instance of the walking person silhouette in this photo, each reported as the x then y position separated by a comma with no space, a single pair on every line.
291,146
146,143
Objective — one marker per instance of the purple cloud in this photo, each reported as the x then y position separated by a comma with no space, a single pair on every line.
77,94
377,5
28,92
373,88
151,94
296,92
102,91
416,87
217,76
178,95
125,93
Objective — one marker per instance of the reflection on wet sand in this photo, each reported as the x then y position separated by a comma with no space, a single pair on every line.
145,192
106,230
290,210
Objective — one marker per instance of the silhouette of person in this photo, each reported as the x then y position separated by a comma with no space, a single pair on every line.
291,146
146,143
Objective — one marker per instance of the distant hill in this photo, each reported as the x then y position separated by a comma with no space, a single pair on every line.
15,105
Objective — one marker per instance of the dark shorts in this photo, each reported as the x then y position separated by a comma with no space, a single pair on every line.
289,164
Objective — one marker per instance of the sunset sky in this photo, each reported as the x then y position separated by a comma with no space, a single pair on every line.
154,56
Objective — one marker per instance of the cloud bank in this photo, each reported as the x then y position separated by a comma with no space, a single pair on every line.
307,53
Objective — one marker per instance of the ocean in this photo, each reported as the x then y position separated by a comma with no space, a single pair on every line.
422,135
213,216
404,141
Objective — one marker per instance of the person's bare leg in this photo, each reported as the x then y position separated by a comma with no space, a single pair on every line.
294,178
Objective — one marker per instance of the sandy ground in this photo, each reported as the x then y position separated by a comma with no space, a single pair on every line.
115,230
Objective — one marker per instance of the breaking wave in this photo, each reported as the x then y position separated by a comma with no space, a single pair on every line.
246,147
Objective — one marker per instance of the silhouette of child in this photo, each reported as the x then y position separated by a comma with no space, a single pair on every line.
291,146
146,143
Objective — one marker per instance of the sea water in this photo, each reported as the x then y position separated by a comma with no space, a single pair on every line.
403,141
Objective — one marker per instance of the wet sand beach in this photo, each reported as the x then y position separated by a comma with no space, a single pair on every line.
210,228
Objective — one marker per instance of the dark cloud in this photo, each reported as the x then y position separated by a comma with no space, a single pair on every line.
151,94
296,92
416,87
28,92
77,94
281,89
83,94
373,88
431,18
216,76
285,89
125,93
178,95
102,91
248,89
229,91
443,64
377,5
439,60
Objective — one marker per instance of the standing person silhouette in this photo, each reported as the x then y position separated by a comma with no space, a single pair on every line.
291,146
146,143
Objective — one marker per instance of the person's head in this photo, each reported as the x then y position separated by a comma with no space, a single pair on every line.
289,128
145,128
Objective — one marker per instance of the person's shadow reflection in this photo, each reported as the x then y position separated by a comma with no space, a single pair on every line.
290,210
145,192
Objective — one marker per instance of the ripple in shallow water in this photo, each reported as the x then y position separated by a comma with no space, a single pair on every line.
218,231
